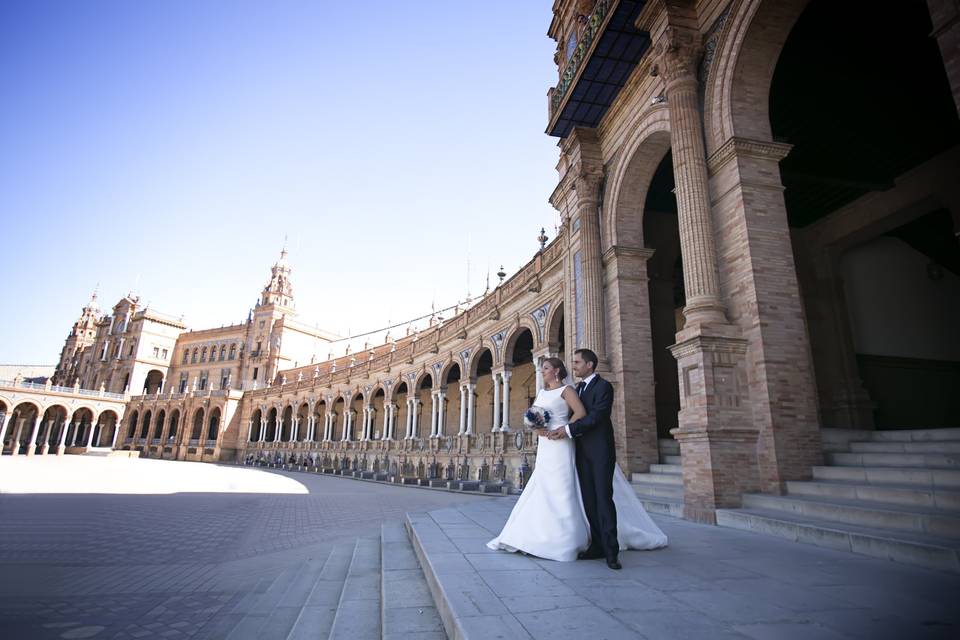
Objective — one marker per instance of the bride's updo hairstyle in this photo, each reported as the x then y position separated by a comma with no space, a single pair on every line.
557,363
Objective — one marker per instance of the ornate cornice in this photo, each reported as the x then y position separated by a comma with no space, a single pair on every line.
745,147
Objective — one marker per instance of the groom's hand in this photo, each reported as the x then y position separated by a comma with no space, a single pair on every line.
543,433
558,434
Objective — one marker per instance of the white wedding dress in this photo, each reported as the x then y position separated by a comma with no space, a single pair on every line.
548,520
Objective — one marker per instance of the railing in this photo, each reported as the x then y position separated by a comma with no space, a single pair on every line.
576,60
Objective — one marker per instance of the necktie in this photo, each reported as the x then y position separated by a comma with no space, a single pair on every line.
580,387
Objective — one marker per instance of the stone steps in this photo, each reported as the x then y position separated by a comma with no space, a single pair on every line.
657,490
358,611
925,551
915,435
672,469
408,611
934,522
931,446
670,459
672,479
906,494
316,617
937,478
925,460
283,606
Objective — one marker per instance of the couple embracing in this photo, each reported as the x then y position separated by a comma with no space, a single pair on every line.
577,503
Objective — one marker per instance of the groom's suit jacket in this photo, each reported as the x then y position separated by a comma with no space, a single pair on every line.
593,433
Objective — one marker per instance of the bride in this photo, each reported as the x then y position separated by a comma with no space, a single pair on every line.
549,520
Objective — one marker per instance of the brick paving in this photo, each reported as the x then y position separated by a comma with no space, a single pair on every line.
142,565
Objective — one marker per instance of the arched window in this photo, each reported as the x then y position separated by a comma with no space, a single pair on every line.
203,354
233,351
186,356
223,352
133,424
195,352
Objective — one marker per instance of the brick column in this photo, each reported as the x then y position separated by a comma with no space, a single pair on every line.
3,428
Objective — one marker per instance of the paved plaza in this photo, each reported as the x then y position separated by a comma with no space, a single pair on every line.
171,550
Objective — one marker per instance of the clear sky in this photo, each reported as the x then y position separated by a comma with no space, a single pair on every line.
168,147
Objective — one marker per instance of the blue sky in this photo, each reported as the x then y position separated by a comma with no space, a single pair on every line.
168,147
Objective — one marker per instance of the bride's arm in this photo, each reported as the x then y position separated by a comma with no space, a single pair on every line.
573,401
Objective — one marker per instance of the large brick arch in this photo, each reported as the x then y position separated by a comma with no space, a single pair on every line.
736,97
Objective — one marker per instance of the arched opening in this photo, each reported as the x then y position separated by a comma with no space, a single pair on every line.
158,426
356,417
197,431
256,425
450,425
377,430
871,201
320,420
82,426
423,421
336,426
51,427
213,427
272,425
173,426
403,410
286,424
154,382
303,418
145,425
666,297
521,385
132,426
105,430
483,406
556,334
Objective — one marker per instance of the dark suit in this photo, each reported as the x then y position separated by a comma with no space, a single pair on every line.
596,458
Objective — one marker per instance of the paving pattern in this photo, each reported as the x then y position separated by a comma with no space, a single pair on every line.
146,565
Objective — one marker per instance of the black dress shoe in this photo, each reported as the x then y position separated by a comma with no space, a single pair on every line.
589,555
614,564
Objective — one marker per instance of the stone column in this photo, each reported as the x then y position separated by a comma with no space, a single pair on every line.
417,415
411,408
45,436
116,432
61,446
496,402
679,51
90,431
463,411
433,413
263,430
538,362
385,432
471,405
294,429
32,444
505,421
441,411
345,424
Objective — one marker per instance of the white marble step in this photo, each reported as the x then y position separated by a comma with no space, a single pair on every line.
930,446
668,447
670,459
922,460
925,551
658,478
654,490
914,435
407,611
663,505
935,522
907,495
358,612
938,478
316,616
675,469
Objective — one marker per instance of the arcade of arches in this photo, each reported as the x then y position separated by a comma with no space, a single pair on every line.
758,238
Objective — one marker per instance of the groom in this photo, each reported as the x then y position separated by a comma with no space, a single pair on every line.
596,457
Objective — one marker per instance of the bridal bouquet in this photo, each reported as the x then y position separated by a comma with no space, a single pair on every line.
536,417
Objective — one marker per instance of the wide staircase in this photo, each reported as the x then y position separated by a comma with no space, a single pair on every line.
888,494
661,489
370,588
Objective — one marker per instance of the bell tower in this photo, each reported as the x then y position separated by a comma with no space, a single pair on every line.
82,335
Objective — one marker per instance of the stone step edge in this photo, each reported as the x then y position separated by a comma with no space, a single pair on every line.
926,488
383,578
863,505
303,608
876,543
451,623
346,580
880,470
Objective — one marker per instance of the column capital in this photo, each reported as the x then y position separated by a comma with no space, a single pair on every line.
677,53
